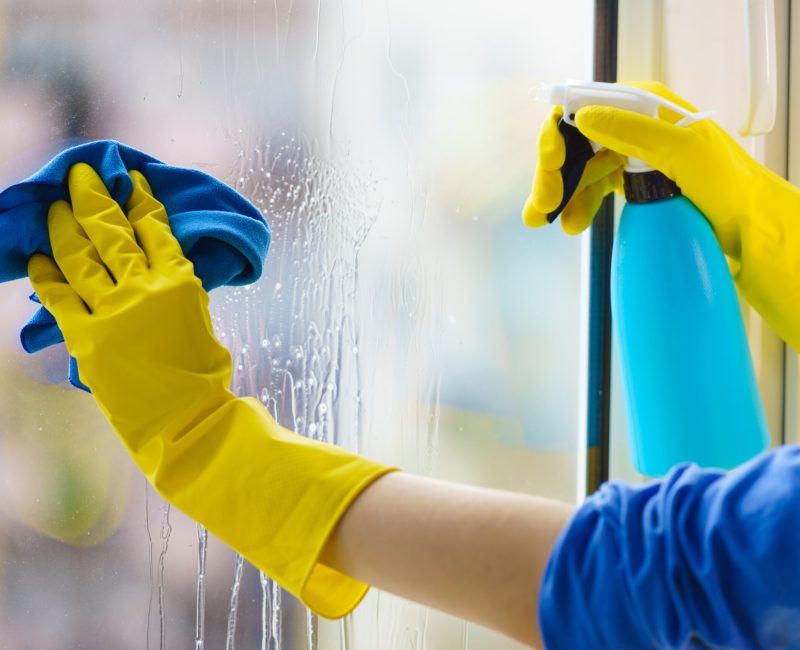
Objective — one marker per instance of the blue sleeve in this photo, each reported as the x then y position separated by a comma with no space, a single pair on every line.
700,559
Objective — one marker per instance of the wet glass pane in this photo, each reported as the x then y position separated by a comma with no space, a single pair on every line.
404,310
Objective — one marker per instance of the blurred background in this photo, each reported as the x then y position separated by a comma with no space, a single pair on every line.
404,311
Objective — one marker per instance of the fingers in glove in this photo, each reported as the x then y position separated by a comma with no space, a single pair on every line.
546,194
104,222
548,188
151,224
604,163
55,293
637,136
76,256
551,151
583,207
532,217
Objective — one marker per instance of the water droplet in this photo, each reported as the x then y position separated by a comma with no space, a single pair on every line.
323,409
264,395
276,341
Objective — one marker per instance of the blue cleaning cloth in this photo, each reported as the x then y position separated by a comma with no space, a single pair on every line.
222,233
701,559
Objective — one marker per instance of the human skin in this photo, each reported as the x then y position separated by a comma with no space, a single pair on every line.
475,553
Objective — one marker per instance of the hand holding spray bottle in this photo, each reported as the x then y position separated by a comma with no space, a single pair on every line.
690,390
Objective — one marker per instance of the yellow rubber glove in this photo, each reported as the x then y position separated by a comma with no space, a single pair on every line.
754,212
136,318
601,176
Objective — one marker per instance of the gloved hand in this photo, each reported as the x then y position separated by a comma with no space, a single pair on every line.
601,176
754,212
136,319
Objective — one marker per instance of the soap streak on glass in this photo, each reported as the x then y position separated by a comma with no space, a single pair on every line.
158,585
230,640
270,615
149,560
200,617
166,531
275,616
294,334
312,629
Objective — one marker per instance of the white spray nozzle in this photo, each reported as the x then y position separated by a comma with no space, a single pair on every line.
574,95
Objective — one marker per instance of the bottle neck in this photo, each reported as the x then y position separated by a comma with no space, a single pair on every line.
649,186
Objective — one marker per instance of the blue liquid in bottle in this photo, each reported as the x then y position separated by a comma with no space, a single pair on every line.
690,389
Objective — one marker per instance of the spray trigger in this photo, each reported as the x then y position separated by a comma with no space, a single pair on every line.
575,95
579,152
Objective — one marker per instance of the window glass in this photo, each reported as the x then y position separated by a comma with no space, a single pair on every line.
404,310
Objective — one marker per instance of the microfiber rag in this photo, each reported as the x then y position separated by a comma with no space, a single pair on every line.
222,233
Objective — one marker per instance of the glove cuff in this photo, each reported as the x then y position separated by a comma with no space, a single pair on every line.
271,494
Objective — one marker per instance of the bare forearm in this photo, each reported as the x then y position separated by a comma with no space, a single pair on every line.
475,553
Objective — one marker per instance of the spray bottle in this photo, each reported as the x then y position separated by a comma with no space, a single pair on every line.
687,376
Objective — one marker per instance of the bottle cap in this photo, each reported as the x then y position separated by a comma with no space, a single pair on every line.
646,187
